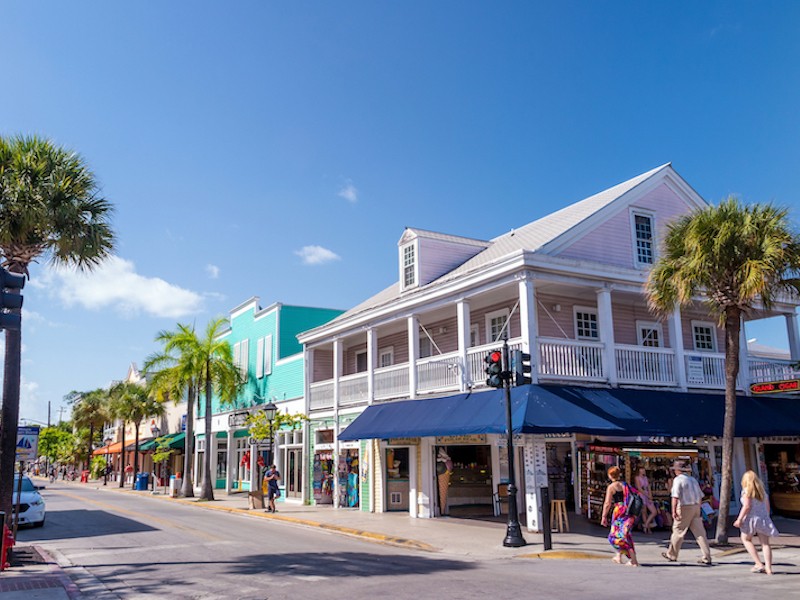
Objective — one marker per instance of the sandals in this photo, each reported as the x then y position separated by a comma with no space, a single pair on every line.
761,569
668,557
704,561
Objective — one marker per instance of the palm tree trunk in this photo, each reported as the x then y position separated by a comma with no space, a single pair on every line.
732,332
10,417
187,488
135,455
208,489
89,449
122,459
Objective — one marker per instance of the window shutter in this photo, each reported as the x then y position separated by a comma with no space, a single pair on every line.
260,358
245,359
268,355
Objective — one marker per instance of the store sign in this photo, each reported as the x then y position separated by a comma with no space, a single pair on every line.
238,419
776,387
694,370
519,441
478,438
27,443
403,441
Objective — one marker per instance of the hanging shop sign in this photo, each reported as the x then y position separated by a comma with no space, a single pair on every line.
403,441
238,419
502,441
776,387
477,438
694,370
27,443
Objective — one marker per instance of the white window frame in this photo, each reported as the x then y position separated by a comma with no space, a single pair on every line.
491,316
241,358
713,329
653,325
383,353
413,249
653,246
358,355
588,310
267,364
474,335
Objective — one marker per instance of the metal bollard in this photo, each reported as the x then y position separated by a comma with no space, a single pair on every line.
548,538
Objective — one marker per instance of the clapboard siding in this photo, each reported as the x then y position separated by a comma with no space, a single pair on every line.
437,257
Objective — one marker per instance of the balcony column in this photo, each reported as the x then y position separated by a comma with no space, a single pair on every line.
337,374
308,372
794,336
529,322
675,330
372,361
464,325
413,354
605,328
744,360
231,461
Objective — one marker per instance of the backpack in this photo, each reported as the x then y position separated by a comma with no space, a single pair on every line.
633,501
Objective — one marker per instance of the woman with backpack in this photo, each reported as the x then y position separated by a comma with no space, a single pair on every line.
617,499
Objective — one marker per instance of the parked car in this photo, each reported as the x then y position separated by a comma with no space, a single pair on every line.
31,503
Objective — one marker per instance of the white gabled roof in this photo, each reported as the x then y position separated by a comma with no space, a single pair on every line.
534,236
412,232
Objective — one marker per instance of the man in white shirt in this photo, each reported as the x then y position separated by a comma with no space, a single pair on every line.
686,499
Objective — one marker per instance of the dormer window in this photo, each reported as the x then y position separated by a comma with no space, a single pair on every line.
644,251
409,266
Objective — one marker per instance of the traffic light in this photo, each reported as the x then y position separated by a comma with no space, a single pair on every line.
494,369
10,299
521,365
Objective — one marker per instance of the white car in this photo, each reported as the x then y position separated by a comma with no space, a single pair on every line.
31,504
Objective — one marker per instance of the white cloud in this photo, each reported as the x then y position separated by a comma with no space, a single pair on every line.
349,192
316,255
116,284
213,271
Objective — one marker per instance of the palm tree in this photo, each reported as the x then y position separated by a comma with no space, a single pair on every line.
172,374
733,256
131,403
50,205
91,410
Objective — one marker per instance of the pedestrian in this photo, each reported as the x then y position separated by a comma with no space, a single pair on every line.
616,502
273,489
686,499
643,486
754,519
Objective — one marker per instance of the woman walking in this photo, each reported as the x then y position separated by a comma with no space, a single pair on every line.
622,524
643,486
754,520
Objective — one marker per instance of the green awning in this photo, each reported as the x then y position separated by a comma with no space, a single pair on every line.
175,441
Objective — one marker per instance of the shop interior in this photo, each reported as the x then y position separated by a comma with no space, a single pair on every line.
397,479
467,490
323,477
783,477
348,478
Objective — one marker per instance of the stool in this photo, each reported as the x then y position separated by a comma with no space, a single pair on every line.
255,500
558,515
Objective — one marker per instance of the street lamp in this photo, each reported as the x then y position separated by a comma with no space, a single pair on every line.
270,410
107,442
513,537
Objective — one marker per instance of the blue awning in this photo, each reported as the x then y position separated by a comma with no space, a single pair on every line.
572,409
534,409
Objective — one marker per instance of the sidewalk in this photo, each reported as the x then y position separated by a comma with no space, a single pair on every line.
468,538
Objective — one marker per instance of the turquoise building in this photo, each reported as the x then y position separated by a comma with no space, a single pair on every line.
265,347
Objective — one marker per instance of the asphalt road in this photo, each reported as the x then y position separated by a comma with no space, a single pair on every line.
127,546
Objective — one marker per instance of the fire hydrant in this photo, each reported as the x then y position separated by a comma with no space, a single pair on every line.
8,542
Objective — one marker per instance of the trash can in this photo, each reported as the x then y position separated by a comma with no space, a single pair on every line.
141,482
174,486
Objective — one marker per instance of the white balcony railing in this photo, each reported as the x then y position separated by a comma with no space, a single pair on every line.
353,389
321,395
645,365
439,373
706,370
476,376
570,359
762,370
391,382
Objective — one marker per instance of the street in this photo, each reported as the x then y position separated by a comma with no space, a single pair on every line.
126,545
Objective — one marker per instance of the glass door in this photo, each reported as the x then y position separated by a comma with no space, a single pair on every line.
294,472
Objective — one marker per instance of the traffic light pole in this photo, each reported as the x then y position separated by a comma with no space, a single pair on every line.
513,537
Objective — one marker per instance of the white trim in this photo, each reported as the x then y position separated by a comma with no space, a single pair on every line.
589,310
414,245
388,351
713,329
489,317
655,326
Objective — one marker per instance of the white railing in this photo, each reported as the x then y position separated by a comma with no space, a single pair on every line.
353,389
476,376
391,382
570,359
646,365
762,369
439,373
321,395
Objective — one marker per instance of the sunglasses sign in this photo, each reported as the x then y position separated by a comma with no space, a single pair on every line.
776,387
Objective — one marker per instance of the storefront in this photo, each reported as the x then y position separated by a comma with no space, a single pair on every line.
464,475
398,482
779,463
322,477
349,475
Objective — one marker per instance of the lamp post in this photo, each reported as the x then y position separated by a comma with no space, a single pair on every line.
155,430
107,442
513,537
270,410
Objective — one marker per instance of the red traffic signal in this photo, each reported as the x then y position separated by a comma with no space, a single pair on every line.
494,369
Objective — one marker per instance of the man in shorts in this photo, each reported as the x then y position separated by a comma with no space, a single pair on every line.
272,477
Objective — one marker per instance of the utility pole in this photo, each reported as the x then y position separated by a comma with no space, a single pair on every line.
48,413
60,411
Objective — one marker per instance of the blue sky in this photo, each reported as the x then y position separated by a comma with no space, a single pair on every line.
279,149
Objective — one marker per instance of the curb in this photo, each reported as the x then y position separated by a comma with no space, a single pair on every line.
566,555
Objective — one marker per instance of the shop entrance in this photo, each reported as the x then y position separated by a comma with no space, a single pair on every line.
293,459
464,480
348,478
783,477
397,479
323,477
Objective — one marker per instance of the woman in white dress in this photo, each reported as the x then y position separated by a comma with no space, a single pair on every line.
754,520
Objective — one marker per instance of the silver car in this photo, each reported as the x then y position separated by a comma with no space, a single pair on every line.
31,503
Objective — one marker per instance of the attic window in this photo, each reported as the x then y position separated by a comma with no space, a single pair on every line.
409,266
643,234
